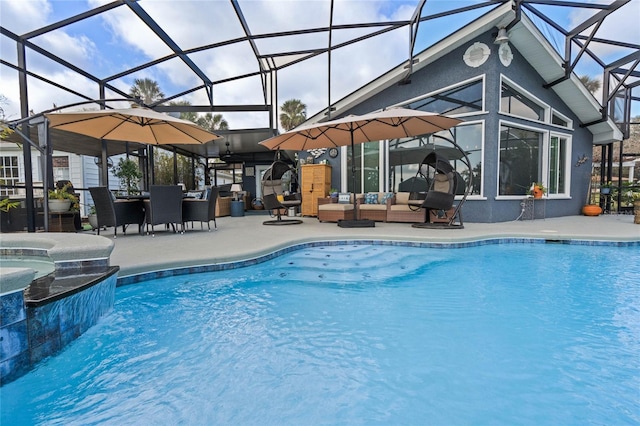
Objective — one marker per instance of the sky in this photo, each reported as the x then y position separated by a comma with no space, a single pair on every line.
116,40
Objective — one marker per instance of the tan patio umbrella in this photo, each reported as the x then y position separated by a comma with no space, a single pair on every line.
140,125
392,123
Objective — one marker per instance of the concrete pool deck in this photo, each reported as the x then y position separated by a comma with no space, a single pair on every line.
241,238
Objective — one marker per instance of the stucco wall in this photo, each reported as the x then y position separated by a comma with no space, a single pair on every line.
450,70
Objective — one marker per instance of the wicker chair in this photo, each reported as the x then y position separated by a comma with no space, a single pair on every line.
201,210
110,212
444,185
164,206
273,196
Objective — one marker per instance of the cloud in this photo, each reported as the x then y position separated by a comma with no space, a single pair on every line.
118,40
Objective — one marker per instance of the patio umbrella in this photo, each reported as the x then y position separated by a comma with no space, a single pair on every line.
140,125
387,124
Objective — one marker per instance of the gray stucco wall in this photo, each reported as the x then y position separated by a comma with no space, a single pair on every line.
450,70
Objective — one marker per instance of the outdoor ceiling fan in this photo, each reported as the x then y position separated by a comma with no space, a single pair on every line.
229,157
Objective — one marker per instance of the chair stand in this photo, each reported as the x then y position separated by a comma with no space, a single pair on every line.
281,221
356,223
428,225
444,223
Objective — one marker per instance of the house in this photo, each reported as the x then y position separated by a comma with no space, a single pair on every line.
523,121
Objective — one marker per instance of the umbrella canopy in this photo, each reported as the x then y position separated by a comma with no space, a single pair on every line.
139,125
388,124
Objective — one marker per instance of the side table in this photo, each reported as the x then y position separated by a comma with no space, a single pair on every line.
529,208
237,208
62,222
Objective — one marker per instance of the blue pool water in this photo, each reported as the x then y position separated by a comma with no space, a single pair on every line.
499,334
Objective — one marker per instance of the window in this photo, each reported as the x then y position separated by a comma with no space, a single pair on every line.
463,99
525,157
9,174
60,168
560,120
520,160
367,167
406,154
558,169
513,101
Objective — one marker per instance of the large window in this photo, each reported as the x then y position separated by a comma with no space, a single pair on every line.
526,157
367,167
520,160
514,101
463,99
9,173
406,154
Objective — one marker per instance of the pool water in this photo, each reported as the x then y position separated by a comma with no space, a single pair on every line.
360,334
41,266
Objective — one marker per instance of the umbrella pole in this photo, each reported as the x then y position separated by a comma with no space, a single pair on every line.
353,177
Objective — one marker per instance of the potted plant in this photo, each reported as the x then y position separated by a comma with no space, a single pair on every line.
537,190
6,204
129,174
61,200
333,193
605,189
93,217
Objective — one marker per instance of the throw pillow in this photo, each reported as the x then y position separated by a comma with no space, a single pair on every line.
344,198
385,197
371,198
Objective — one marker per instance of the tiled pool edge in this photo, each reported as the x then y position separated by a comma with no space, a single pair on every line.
32,329
31,333
260,258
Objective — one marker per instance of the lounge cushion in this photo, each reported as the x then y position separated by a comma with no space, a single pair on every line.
335,207
402,198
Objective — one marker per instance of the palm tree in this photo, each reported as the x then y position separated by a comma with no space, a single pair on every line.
147,90
213,122
591,84
189,115
294,112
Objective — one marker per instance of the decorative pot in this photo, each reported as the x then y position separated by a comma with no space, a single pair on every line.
59,206
537,192
93,220
605,191
591,210
256,204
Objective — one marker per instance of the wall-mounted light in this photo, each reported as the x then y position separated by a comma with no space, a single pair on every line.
502,37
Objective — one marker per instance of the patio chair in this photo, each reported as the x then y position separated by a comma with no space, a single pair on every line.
110,212
275,199
164,206
440,195
203,210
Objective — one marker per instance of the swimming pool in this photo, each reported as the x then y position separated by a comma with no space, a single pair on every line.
367,334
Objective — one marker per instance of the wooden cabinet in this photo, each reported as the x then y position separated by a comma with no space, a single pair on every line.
315,182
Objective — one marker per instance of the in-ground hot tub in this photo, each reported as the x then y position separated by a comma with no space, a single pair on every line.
53,287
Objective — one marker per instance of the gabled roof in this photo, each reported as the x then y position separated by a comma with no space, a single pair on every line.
526,38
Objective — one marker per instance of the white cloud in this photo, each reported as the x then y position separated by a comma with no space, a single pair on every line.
197,23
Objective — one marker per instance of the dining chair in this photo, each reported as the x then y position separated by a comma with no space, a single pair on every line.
203,210
164,206
110,212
